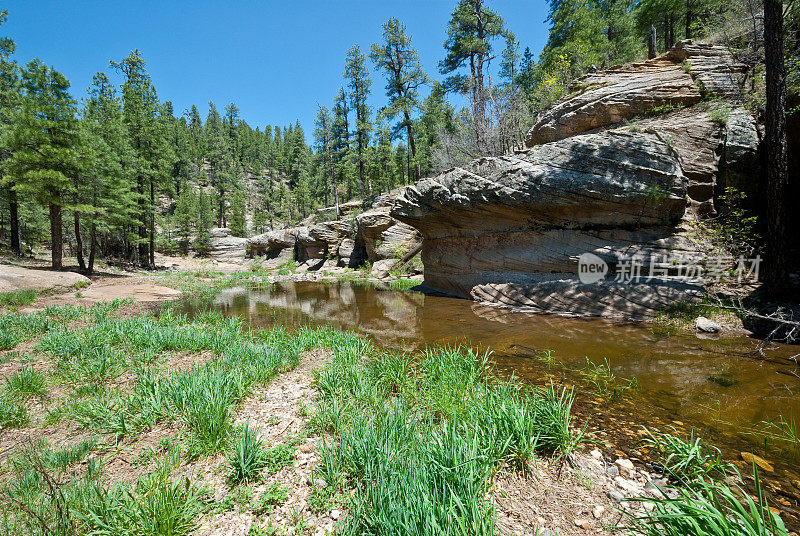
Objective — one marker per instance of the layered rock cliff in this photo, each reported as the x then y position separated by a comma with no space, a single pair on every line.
616,169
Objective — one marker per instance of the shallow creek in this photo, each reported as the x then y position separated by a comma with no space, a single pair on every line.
718,388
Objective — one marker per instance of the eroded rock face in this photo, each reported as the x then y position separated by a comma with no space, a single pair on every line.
614,95
373,235
681,77
612,179
382,236
510,229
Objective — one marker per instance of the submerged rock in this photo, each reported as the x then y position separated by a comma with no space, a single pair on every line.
708,326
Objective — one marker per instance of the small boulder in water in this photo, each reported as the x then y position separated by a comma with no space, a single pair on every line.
707,326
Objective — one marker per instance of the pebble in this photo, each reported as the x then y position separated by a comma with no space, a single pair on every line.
320,483
582,523
597,512
760,462
596,454
624,463
615,496
612,470
626,484
707,326
335,514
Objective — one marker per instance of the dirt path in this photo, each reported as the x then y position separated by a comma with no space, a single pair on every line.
278,411
106,284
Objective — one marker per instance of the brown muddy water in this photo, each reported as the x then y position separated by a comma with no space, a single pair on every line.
719,388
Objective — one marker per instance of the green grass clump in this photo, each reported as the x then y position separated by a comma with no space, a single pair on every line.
420,440
710,508
720,113
402,284
12,414
247,458
605,382
687,459
26,383
155,506
17,298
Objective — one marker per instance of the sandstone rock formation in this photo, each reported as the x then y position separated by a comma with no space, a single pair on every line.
616,170
680,77
225,247
356,237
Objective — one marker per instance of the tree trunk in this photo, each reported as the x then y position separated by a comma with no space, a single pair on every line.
79,242
651,43
13,212
152,253
56,236
92,246
776,272
689,16
412,146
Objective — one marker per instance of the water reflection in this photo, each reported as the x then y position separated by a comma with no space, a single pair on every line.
690,378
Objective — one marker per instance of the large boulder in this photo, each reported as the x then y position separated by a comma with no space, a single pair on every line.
612,179
274,244
225,247
511,229
681,77
741,162
614,95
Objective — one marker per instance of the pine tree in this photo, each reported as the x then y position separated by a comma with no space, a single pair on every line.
359,82
470,33
186,211
398,59
238,213
9,100
220,161
438,116
109,182
323,136
44,140
141,110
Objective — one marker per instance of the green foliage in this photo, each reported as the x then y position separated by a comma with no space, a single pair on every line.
279,456
720,112
409,435
605,382
273,495
12,414
26,383
734,230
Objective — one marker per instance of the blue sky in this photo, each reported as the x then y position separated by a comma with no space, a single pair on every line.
276,59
